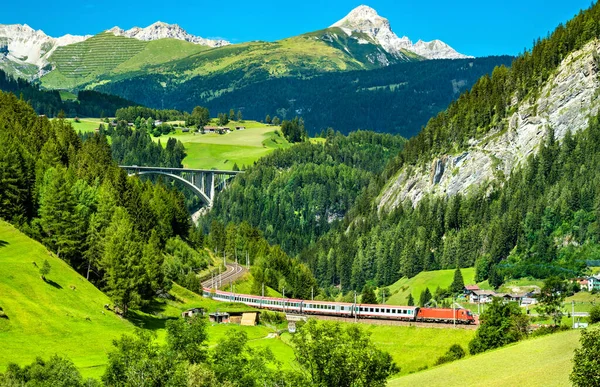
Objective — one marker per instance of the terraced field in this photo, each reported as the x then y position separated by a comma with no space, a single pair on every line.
105,53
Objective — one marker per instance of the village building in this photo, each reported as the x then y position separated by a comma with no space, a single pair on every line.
193,312
219,318
594,283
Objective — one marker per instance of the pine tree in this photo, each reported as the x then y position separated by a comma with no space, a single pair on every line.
268,119
121,262
368,295
410,301
57,213
425,297
458,284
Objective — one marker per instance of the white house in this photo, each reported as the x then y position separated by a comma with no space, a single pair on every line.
594,283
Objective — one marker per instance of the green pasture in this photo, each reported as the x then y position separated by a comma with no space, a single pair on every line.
431,279
85,124
544,361
222,151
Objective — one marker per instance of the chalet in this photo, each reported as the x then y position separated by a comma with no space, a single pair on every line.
481,296
211,129
240,127
226,130
158,123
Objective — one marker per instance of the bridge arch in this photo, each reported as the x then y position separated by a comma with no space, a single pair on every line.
204,183
195,189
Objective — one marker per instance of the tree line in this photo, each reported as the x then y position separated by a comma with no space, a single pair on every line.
398,99
295,195
328,355
89,103
69,194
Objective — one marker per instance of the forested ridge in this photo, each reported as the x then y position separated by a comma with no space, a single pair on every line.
296,195
129,237
397,99
89,103
490,100
539,222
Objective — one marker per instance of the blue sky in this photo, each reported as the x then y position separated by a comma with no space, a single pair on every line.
474,27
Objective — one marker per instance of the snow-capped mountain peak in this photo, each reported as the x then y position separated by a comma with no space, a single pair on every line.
26,46
160,30
365,19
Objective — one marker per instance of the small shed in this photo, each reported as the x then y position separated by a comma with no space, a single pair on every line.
240,127
219,317
185,130
249,319
193,312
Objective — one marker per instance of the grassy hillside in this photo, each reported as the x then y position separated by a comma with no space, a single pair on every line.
432,279
106,53
48,318
241,147
545,361
106,58
64,315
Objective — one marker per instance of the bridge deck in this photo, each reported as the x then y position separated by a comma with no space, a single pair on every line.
219,171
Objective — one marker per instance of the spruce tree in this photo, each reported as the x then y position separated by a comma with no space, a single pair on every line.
458,284
410,301
121,262
425,297
368,295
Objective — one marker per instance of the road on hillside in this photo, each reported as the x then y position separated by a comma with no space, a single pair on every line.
230,275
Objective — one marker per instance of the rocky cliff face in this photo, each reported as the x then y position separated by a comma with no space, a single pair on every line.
24,46
565,102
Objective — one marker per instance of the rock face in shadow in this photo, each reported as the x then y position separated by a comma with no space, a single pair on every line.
565,102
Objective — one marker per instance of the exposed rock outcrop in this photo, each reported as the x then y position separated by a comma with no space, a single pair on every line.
565,103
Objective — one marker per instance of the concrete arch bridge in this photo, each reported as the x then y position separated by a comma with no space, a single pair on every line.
205,183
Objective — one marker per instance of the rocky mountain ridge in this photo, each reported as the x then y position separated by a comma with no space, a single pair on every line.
160,30
564,103
364,19
26,48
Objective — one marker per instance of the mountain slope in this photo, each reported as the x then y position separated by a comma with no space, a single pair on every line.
65,315
544,361
564,103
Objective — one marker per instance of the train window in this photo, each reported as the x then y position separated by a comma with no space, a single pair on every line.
376,310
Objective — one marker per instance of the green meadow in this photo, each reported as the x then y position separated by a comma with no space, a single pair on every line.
427,279
222,151
544,362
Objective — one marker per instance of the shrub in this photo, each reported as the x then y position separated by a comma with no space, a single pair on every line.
594,316
585,369
454,353
272,317
542,331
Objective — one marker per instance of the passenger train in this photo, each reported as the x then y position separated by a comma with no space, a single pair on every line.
342,309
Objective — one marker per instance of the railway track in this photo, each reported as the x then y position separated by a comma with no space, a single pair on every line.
231,274
393,322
